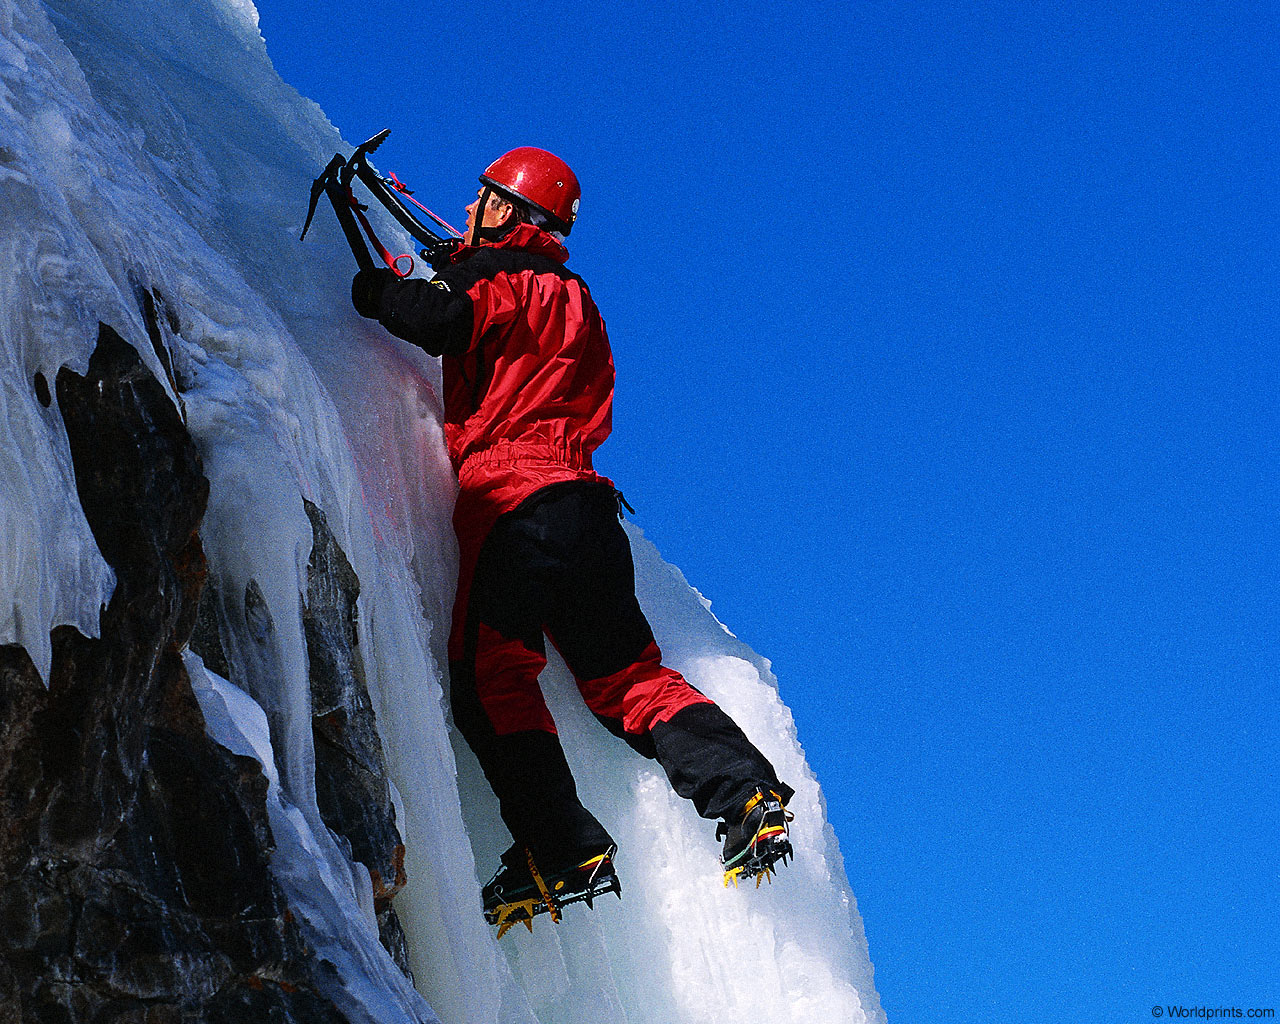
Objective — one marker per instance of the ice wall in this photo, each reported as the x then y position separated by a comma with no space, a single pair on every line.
151,146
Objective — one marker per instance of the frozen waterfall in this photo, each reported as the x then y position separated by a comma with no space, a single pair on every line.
150,154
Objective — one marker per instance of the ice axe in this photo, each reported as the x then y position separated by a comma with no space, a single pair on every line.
335,181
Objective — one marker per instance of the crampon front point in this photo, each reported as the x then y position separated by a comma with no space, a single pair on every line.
521,902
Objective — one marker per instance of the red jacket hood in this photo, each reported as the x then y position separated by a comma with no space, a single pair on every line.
528,237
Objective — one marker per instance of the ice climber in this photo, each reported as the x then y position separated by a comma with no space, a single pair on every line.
528,379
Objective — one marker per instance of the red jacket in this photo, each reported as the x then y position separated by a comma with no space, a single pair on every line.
528,373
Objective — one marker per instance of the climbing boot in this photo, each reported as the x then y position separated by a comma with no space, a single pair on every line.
521,889
757,840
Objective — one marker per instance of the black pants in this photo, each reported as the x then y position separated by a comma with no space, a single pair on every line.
560,564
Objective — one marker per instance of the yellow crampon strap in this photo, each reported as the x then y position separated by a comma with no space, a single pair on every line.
552,906
760,796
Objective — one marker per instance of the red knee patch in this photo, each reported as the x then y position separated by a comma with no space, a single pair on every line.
507,684
641,695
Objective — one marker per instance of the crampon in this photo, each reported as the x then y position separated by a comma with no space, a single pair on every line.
516,895
762,839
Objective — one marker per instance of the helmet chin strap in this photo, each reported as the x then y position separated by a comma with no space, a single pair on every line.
493,234
481,209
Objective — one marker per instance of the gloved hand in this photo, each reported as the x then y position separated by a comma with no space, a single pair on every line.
367,288
439,254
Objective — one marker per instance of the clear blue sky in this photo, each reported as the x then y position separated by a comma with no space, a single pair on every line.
948,369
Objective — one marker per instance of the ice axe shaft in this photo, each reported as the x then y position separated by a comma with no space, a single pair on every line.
395,198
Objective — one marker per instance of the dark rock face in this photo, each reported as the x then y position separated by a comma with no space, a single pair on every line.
352,791
134,882
351,773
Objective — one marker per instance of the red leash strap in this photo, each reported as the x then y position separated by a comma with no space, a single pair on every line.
379,248
407,192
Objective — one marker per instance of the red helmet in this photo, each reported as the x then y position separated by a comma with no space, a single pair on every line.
541,179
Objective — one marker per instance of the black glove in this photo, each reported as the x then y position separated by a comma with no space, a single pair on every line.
439,254
367,288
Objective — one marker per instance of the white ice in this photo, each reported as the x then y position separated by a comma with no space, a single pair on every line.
151,144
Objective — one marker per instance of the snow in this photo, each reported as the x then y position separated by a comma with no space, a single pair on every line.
182,164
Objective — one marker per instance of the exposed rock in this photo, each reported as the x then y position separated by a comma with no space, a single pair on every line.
205,639
150,302
134,882
352,791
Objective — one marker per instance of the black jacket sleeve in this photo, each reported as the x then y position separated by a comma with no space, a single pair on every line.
434,315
